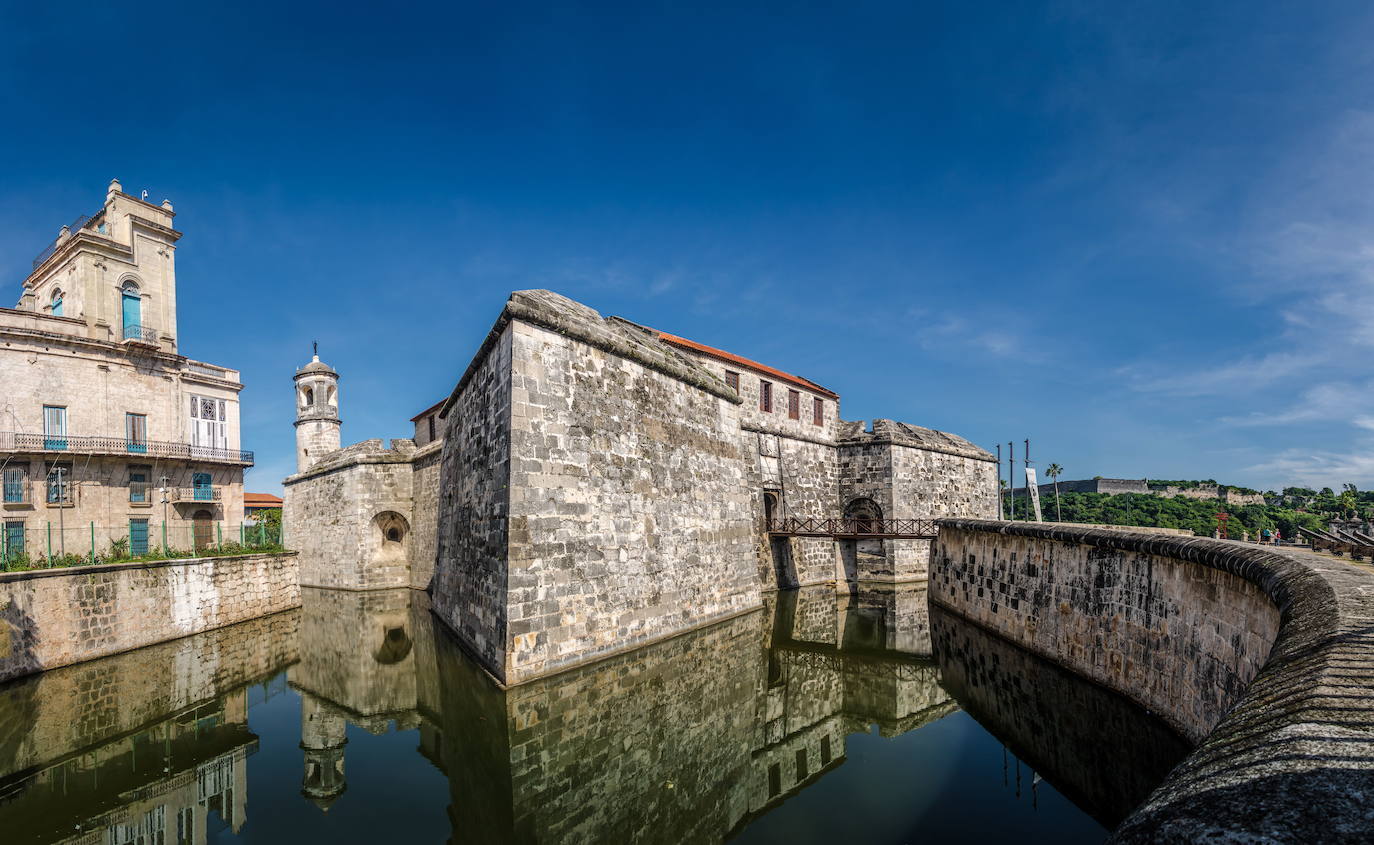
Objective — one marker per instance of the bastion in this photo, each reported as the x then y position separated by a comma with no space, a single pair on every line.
592,484
1261,657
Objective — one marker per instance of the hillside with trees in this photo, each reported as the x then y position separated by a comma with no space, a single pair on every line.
1284,512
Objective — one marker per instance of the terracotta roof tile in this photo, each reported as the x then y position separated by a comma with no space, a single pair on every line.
731,358
260,500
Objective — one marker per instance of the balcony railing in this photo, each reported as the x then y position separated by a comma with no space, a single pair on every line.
140,334
72,227
855,528
193,494
11,441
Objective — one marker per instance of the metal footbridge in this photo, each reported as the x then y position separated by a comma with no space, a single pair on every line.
854,529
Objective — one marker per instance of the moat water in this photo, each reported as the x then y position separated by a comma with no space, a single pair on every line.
825,718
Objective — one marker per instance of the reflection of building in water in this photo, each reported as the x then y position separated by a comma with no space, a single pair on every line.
683,740
836,665
323,738
176,781
358,665
147,746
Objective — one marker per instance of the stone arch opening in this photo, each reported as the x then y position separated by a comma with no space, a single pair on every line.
866,514
862,516
391,537
307,396
331,397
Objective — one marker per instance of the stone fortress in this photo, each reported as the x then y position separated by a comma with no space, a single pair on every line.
1145,487
592,484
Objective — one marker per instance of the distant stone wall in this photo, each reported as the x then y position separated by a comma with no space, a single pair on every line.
57,617
1262,656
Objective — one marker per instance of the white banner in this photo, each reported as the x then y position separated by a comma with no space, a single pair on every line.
1034,489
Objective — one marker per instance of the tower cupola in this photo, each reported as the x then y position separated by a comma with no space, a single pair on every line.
317,412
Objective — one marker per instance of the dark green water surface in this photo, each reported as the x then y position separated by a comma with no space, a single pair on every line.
825,718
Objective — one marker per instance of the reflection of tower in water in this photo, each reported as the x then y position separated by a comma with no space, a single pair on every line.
323,737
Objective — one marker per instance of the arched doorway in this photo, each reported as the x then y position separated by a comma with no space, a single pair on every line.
203,529
779,547
865,515
770,509
859,555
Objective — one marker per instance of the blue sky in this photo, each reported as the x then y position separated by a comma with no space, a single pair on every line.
1142,236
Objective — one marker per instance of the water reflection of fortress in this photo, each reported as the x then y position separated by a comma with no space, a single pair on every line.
721,723
688,739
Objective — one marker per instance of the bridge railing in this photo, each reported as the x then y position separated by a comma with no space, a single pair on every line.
853,528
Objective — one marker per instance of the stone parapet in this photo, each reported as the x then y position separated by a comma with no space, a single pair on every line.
56,617
1262,657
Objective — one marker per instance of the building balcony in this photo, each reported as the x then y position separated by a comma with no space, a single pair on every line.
26,443
140,334
194,494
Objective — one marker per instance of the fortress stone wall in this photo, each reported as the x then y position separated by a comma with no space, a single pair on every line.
56,617
592,484
1259,656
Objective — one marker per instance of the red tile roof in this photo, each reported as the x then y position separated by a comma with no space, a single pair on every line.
731,358
261,500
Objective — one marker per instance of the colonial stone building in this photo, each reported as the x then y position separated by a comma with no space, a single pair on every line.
592,484
106,429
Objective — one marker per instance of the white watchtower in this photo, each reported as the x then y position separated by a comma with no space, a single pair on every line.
317,412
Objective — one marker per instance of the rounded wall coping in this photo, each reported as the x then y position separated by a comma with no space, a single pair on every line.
60,571
1293,761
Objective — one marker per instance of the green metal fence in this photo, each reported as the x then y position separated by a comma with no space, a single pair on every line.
32,544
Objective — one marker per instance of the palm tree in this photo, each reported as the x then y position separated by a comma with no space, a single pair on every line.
1054,471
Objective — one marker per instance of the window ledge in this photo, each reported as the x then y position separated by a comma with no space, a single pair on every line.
18,506
140,504
61,504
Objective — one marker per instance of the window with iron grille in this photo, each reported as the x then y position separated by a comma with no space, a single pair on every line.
793,405
16,484
817,412
431,429
140,478
765,396
12,543
732,379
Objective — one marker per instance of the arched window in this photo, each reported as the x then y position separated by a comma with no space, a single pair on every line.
331,398
308,396
132,310
57,302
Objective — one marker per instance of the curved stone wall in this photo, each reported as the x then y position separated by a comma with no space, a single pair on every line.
1264,658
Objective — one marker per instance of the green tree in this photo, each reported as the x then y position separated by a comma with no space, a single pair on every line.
1054,471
